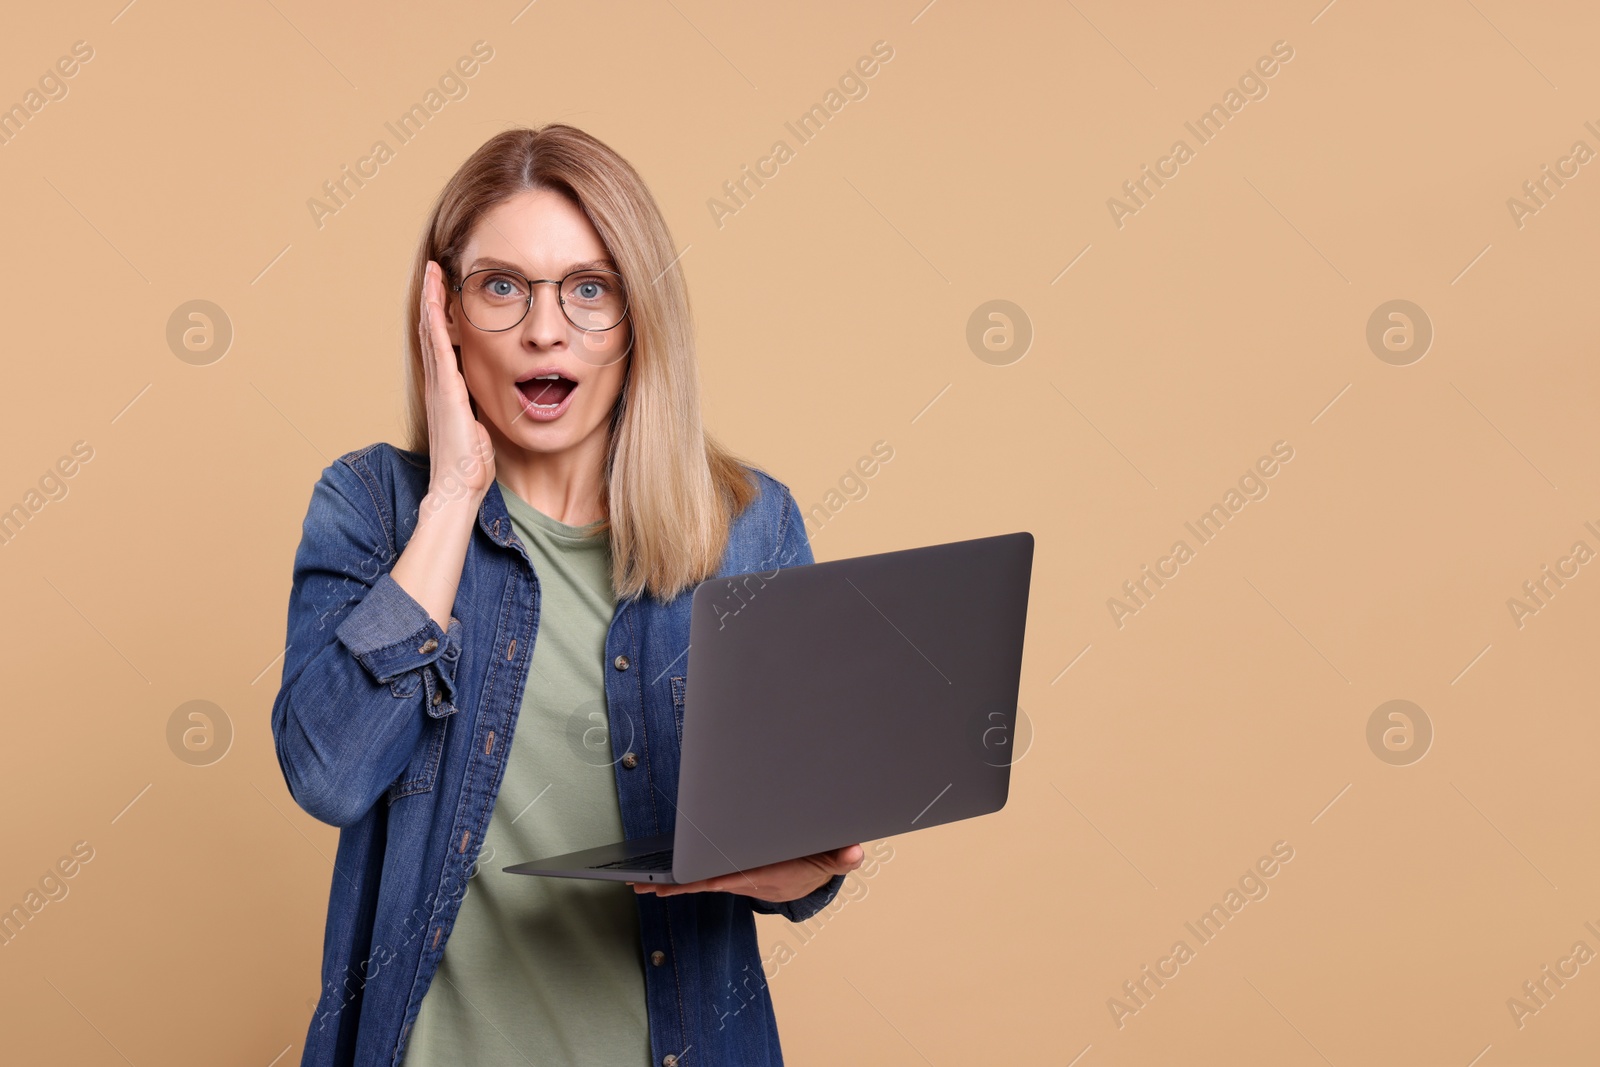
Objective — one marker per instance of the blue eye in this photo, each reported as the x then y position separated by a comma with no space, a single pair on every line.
499,286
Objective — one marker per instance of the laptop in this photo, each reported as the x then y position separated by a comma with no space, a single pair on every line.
837,703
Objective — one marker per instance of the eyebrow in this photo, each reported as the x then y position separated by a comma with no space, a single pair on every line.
588,264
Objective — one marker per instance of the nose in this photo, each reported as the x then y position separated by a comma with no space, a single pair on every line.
545,323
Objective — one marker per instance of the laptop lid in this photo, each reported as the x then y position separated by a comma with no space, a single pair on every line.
848,700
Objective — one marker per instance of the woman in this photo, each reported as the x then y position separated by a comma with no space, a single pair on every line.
486,654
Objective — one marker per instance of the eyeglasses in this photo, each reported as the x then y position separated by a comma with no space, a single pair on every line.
496,299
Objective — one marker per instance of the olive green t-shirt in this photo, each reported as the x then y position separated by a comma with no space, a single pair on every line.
547,971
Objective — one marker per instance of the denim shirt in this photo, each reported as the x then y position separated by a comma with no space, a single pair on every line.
397,732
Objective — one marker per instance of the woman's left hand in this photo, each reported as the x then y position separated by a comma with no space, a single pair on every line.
776,882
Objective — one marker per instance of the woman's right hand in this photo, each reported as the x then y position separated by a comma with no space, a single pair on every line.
459,449
461,460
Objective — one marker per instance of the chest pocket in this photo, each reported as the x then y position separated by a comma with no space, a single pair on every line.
677,705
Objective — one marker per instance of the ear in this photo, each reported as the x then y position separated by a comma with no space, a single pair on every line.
452,322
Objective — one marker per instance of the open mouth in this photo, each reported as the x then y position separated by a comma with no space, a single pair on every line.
546,391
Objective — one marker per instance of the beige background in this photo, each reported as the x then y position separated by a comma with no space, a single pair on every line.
1229,313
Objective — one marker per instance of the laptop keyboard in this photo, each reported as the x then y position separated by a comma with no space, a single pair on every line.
650,861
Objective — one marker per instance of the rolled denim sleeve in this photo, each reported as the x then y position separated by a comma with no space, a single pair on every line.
364,664
391,635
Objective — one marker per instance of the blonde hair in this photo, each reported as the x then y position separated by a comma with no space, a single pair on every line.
670,492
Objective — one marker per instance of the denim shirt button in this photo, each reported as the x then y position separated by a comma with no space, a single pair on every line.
620,663
669,1060
629,760
429,645
658,957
